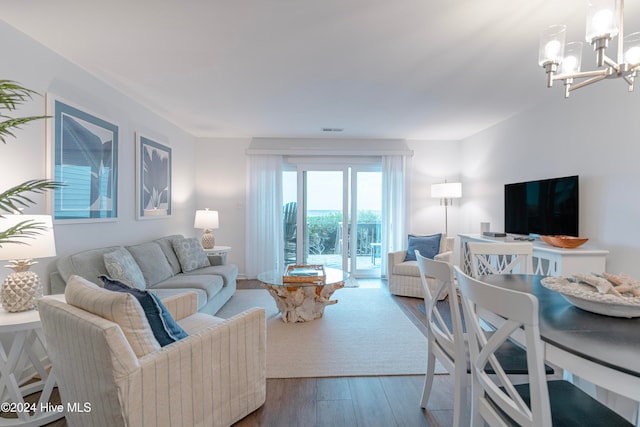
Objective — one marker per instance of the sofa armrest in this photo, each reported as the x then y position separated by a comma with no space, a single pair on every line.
181,305
57,285
445,257
396,257
214,377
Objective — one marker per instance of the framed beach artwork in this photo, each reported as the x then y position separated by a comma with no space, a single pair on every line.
84,158
154,179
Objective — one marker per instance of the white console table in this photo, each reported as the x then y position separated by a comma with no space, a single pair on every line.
547,260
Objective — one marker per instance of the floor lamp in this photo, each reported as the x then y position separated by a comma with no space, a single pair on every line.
446,192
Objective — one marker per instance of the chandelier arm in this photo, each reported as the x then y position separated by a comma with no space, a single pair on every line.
611,63
586,82
583,74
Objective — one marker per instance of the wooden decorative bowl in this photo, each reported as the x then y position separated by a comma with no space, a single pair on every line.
568,242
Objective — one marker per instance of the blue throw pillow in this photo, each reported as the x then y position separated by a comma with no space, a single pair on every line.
429,246
164,327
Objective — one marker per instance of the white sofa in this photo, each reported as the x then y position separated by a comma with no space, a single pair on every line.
404,276
161,269
213,377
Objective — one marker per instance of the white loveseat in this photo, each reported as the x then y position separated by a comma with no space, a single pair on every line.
404,276
215,376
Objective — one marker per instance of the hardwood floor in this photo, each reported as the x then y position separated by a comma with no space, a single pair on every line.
384,401
356,401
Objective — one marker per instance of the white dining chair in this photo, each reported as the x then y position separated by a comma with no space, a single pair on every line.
500,258
496,400
447,340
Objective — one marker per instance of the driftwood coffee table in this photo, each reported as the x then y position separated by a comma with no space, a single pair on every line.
301,302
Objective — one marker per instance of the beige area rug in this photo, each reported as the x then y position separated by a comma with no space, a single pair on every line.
366,333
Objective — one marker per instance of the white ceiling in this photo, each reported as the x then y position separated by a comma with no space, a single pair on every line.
416,69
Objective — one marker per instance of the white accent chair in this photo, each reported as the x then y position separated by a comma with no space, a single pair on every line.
496,400
404,276
213,377
500,258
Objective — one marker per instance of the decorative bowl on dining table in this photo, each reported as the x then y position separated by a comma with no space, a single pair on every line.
567,242
606,294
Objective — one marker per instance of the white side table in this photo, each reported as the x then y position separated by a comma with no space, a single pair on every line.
220,251
17,365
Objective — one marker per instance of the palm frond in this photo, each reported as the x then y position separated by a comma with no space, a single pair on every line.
22,230
15,123
13,94
15,198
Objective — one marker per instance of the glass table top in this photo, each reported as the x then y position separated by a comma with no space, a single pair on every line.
274,278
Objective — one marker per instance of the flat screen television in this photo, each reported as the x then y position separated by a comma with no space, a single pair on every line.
547,206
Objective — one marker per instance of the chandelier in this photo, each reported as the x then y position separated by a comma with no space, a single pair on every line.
604,22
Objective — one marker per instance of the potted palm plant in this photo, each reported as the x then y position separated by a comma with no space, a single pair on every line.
12,95
22,287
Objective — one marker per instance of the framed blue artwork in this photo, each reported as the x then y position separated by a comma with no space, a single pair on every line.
85,161
154,178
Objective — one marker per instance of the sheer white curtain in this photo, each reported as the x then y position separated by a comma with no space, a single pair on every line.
264,239
395,204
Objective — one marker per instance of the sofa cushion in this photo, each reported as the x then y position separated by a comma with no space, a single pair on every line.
201,295
429,246
199,321
166,244
229,272
190,254
152,262
88,264
164,328
210,284
117,307
407,268
121,266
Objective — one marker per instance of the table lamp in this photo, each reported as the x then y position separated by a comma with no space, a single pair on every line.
446,192
22,288
207,220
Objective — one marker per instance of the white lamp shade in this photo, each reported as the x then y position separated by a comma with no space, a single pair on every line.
206,219
446,190
41,245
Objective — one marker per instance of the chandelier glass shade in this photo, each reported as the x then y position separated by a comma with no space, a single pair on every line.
562,61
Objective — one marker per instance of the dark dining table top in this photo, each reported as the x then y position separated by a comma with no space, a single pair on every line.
609,341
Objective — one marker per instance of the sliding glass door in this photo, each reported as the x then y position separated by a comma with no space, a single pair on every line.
366,186
335,209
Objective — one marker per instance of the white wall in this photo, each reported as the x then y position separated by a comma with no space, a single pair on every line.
24,158
433,162
221,180
595,135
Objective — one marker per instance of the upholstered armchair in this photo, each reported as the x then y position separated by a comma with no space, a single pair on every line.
213,377
404,275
